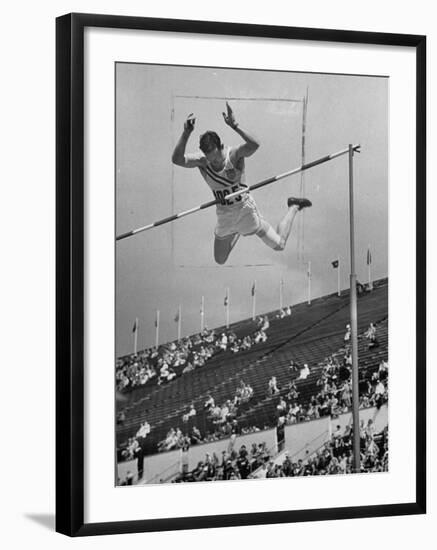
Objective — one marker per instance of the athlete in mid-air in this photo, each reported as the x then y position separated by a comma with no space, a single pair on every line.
223,170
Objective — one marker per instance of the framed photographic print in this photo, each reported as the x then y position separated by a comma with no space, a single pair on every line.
240,262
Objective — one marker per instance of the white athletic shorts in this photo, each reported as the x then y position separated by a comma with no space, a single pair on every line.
244,220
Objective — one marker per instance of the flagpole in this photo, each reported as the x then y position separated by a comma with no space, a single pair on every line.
136,336
309,282
157,329
281,282
254,300
369,264
179,322
202,314
354,321
338,277
227,307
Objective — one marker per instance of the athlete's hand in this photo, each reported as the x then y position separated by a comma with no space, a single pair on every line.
189,123
229,117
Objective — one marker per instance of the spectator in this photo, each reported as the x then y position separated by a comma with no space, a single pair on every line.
143,430
209,403
304,372
192,412
273,386
370,334
379,394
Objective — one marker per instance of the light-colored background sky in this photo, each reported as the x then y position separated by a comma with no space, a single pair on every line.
152,103
28,506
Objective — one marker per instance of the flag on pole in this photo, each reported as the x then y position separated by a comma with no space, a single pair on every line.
336,265
178,320
253,291
369,269
226,303
369,257
135,332
202,313
157,328
135,327
309,270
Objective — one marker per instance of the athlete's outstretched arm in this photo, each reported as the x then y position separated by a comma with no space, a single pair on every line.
251,143
179,157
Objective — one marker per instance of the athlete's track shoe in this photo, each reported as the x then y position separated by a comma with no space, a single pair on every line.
300,203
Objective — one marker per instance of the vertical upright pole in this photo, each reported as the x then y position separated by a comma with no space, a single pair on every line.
227,307
157,328
179,322
253,300
136,336
338,278
202,314
369,272
353,320
309,282
281,284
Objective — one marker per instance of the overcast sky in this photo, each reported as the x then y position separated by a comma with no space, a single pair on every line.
173,264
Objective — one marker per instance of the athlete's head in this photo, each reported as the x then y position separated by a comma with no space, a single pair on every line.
210,141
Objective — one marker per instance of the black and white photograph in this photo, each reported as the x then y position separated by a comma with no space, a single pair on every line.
251,274
215,286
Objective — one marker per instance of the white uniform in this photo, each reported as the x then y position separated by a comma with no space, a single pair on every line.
239,214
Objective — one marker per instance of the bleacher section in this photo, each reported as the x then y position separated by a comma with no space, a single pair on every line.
309,335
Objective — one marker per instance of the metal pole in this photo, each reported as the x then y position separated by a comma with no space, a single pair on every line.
157,328
369,273
179,322
309,283
136,336
353,320
202,314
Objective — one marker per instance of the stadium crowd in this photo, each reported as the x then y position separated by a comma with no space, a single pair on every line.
223,418
230,465
168,361
335,383
334,457
333,398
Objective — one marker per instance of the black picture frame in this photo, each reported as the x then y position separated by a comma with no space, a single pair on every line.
70,273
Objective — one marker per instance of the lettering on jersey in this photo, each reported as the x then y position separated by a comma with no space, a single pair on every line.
221,195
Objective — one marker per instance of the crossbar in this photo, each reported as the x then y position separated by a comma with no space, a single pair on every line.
262,183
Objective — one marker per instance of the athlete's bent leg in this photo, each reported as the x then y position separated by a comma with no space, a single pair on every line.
269,236
223,247
285,225
278,239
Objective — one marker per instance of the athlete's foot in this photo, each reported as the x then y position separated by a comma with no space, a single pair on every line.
300,203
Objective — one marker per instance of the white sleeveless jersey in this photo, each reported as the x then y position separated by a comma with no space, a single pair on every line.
228,180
